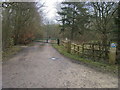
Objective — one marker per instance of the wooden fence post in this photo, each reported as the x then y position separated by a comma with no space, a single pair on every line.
93,50
69,46
100,51
112,55
83,49
74,48
78,49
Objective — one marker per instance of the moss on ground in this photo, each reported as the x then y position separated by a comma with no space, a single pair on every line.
99,65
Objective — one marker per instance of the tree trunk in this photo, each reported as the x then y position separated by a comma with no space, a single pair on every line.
104,43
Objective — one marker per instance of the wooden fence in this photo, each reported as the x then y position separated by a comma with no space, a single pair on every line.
94,51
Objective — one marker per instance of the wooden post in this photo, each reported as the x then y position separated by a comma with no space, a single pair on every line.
93,50
83,49
69,46
58,41
78,49
112,55
99,50
74,48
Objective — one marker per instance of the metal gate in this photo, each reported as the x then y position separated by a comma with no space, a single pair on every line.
46,40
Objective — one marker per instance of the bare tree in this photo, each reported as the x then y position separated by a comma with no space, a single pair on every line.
103,15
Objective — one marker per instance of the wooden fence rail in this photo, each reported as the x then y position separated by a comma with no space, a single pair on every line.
89,50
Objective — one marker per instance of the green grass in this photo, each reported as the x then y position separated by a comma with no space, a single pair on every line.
10,51
99,65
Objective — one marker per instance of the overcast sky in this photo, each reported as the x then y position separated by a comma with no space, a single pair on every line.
50,9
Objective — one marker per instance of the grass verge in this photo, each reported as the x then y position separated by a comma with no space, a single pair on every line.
98,65
10,51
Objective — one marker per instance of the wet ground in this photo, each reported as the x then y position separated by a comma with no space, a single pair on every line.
41,66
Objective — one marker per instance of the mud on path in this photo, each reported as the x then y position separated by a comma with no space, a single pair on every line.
41,66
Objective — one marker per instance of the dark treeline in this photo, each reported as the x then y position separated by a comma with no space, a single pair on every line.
21,23
88,21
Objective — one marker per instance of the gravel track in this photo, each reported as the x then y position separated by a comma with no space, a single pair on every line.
34,68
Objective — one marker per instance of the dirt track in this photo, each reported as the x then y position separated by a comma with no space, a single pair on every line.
34,68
